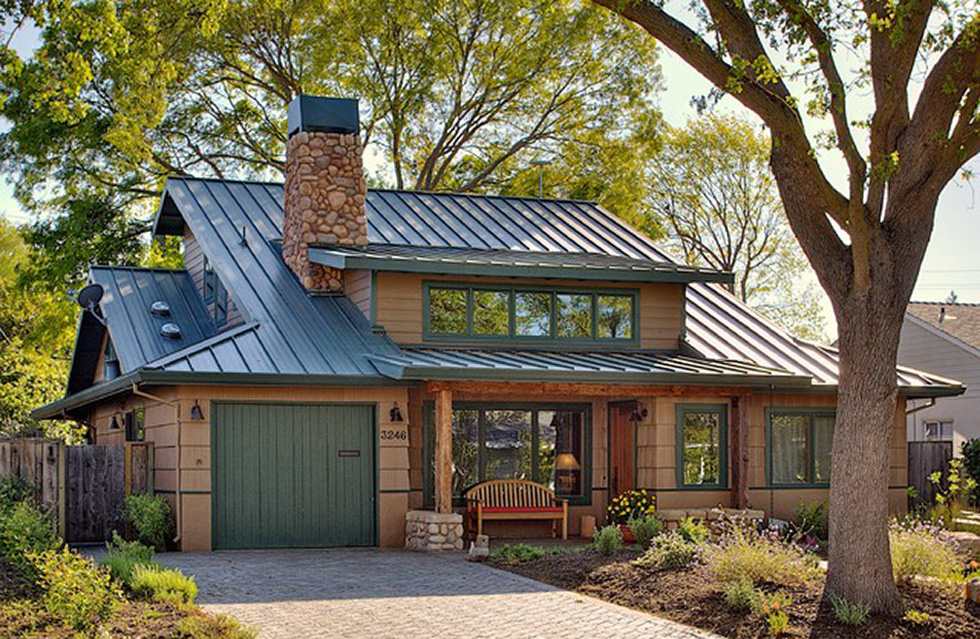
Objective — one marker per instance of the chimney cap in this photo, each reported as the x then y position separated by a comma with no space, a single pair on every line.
328,115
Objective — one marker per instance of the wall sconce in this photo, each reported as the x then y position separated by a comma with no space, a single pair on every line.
196,412
396,414
639,414
113,423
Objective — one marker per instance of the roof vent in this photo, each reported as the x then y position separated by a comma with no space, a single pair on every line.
160,308
170,330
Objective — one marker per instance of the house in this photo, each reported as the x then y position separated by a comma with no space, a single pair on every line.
944,337
333,360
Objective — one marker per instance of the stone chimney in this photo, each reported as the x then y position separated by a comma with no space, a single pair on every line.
325,186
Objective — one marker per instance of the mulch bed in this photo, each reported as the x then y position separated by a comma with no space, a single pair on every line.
690,596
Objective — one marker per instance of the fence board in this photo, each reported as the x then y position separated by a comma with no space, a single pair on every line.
926,458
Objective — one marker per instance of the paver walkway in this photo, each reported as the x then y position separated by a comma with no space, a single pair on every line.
369,593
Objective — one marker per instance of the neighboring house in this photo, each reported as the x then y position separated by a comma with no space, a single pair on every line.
325,344
944,338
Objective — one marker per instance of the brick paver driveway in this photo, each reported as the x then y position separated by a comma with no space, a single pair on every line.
370,593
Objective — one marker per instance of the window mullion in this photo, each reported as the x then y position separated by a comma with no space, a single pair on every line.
481,423
595,316
534,445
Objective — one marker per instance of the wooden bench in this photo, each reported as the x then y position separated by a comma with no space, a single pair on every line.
515,499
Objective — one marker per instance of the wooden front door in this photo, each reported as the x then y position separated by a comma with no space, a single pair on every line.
622,448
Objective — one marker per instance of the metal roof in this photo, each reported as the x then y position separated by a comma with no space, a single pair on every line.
655,367
507,263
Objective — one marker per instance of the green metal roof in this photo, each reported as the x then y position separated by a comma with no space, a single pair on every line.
507,263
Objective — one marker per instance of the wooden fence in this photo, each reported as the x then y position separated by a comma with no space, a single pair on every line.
82,486
926,458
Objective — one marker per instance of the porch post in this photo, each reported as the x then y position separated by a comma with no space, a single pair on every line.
740,452
444,451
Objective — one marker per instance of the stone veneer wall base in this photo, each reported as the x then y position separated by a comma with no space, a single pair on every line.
429,531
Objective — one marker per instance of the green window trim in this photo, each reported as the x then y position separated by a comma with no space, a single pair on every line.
722,411
811,414
428,444
470,334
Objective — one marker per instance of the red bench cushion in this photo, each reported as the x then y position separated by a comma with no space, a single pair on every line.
523,510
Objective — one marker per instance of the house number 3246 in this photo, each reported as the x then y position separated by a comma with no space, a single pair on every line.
394,434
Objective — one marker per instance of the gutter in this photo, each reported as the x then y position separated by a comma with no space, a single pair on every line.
178,493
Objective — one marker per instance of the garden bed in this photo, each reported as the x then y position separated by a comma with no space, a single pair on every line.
22,616
691,596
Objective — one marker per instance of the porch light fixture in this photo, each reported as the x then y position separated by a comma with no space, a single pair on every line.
396,414
196,412
113,423
638,414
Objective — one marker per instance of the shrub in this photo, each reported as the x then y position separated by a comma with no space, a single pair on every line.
25,530
517,553
14,490
608,540
632,504
644,529
848,612
77,592
742,555
917,618
778,623
924,550
150,518
692,530
216,627
813,519
763,604
123,556
740,594
668,551
971,464
164,585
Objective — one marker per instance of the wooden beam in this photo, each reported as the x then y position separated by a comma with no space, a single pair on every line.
740,452
519,389
444,451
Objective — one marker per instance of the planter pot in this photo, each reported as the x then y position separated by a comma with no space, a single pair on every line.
627,534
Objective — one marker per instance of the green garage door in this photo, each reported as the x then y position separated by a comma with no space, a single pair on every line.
292,475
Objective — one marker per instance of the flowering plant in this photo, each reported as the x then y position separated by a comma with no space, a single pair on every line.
633,504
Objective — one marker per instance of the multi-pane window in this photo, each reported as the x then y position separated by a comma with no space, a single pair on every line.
701,446
220,303
135,425
110,361
799,447
530,315
545,444
938,431
209,280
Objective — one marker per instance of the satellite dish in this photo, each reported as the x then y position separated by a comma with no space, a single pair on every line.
89,296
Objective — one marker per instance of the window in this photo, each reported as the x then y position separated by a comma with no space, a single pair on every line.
110,361
939,431
799,443
702,454
208,284
529,314
135,425
543,443
220,303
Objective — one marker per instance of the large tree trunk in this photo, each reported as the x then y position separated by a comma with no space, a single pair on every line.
860,558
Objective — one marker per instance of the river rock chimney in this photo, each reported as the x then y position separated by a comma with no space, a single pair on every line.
325,186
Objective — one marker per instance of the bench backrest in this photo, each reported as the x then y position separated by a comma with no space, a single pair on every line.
512,493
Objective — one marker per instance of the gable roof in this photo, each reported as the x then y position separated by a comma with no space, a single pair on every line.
294,337
959,320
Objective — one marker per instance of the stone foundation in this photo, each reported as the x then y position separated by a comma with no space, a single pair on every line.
429,531
672,517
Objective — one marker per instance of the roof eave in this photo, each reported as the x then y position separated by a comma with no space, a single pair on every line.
329,258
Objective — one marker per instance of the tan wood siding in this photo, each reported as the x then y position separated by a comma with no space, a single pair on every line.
357,286
400,312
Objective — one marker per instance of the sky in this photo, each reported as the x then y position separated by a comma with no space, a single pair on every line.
952,261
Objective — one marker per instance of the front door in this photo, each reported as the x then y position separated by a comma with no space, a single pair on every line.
622,448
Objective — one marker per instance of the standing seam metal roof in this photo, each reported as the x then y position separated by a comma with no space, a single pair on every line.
718,325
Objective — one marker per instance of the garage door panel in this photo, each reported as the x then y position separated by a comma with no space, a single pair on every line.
281,479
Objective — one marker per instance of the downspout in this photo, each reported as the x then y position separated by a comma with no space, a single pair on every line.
177,493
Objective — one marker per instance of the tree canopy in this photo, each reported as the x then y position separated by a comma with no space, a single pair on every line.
790,62
713,189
